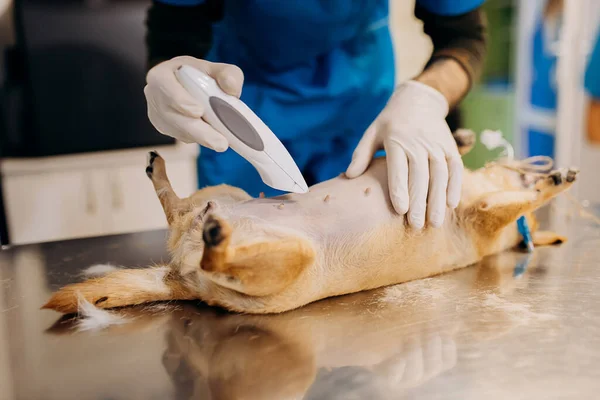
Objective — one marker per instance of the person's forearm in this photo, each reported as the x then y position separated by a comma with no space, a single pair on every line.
459,47
448,77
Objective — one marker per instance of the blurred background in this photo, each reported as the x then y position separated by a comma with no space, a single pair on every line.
74,131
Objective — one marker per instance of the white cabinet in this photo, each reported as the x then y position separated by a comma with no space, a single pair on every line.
55,205
57,198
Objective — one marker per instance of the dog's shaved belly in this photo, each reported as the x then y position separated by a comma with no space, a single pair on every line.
353,222
340,205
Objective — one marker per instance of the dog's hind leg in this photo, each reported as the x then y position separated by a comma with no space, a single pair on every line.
496,210
157,172
258,269
465,140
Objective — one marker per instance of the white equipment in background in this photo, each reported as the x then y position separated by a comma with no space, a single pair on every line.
578,34
577,39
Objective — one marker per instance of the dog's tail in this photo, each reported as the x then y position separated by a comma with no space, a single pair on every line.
121,288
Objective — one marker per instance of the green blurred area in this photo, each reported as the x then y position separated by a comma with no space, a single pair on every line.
491,102
487,109
502,19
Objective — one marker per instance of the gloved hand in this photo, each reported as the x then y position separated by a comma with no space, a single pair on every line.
424,166
174,112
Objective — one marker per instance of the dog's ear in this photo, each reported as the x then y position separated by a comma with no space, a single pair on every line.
547,238
261,267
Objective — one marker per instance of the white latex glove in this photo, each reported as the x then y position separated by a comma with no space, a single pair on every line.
424,166
174,112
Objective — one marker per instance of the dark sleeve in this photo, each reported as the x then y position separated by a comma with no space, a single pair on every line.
460,37
174,30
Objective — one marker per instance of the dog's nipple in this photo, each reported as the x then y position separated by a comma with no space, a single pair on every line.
326,199
280,206
367,191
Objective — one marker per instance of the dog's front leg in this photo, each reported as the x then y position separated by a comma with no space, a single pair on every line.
157,172
496,210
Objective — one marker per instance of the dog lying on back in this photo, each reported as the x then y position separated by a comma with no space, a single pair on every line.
269,255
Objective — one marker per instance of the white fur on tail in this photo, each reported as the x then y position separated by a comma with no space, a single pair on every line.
92,318
99,270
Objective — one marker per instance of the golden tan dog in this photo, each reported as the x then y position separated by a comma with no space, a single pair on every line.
270,255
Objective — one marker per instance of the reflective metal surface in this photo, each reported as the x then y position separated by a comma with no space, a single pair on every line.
515,326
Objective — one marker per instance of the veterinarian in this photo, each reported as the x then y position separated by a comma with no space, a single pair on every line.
320,74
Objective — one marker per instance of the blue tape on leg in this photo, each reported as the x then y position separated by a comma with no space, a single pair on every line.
525,232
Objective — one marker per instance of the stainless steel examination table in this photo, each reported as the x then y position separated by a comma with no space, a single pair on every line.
515,326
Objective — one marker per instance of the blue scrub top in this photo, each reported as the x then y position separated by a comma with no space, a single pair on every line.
317,72
592,74
313,68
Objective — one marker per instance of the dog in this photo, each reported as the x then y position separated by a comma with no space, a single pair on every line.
271,255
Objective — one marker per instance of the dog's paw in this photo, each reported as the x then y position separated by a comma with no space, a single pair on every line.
465,140
572,174
464,137
557,180
562,176
150,163
155,167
